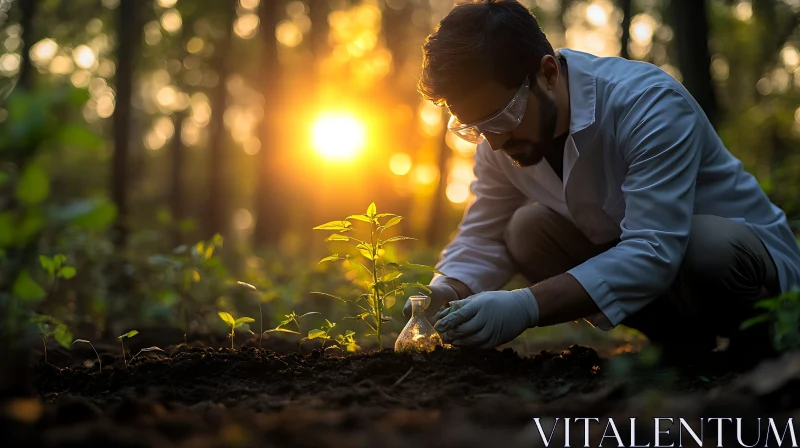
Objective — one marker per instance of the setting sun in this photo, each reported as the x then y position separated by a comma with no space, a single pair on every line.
338,137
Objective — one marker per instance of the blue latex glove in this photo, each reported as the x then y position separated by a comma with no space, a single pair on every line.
488,319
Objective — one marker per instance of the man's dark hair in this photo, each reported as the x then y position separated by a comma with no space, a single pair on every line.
478,42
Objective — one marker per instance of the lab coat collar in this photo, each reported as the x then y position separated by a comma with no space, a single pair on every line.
582,89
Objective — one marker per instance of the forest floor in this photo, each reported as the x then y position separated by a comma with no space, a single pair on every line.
201,395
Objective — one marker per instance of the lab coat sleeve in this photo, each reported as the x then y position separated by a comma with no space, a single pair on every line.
477,256
660,137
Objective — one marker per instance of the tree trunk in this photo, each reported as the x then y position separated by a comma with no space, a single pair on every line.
627,15
438,212
176,179
319,27
268,203
216,213
690,23
129,37
26,70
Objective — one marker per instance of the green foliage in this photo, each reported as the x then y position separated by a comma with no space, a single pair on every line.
32,216
783,316
380,277
188,281
235,323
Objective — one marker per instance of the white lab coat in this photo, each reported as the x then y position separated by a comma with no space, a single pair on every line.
641,159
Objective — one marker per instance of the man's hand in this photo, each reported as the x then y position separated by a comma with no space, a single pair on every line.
441,295
488,319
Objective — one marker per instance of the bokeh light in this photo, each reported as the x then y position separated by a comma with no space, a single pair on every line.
288,34
400,163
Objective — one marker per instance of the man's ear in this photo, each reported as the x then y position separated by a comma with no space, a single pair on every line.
549,71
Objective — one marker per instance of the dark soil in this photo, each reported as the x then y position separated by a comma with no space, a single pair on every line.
203,396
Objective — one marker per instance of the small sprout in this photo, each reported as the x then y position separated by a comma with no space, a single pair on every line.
260,314
121,337
148,349
322,333
234,323
100,363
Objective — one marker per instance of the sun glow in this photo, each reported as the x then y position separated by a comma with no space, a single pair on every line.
338,136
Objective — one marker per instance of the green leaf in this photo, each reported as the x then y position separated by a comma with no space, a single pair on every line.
79,137
308,313
62,335
316,333
26,289
80,340
227,318
391,276
363,218
128,335
417,285
397,238
247,285
754,321
47,264
33,186
420,267
349,333
329,295
367,254
243,320
333,257
389,301
341,226
67,272
281,330
372,210
93,215
337,237
392,222
384,215
59,260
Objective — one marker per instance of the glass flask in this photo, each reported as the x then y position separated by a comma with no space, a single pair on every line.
418,334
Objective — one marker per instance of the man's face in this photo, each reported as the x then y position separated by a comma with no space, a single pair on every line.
532,139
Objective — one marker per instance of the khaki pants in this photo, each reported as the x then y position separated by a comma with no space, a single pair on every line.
725,270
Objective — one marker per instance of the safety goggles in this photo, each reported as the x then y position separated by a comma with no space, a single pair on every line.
506,120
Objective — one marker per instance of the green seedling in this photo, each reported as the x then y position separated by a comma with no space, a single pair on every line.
234,323
347,342
322,333
56,268
260,314
145,350
380,277
100,363
121,338
51,327
291,317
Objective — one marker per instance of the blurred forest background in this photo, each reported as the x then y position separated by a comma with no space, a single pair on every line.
131,130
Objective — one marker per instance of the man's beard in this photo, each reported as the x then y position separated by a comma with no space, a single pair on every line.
525,152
